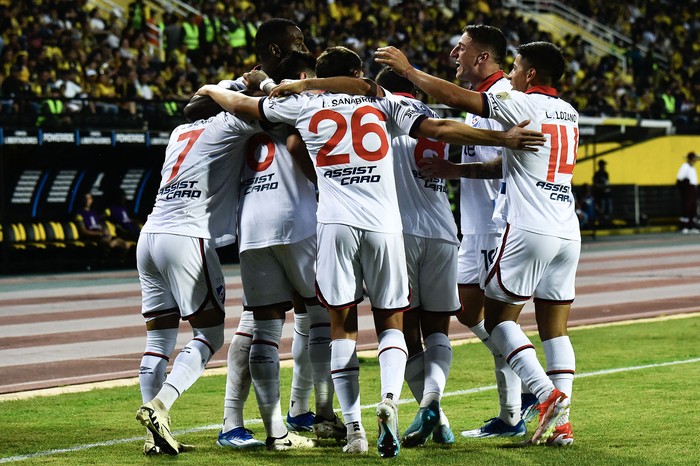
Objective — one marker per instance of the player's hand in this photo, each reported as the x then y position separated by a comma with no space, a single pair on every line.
435,167
520,138
394,58
288,87
253,79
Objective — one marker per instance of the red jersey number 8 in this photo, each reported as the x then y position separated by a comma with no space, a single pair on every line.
427,148
255,144
358,131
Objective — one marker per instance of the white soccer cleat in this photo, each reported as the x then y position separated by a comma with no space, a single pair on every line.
357,444
154,416
289,442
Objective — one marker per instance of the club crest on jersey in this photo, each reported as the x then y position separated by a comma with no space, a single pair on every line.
475,119
221,293
503,96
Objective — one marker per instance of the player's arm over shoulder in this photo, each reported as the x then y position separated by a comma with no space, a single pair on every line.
234,102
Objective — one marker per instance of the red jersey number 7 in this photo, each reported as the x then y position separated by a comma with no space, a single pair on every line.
191,137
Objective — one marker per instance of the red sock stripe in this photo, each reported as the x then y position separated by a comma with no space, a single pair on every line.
392,347
561,371
265,342
157,355
347,369
248,335
518,350
211,350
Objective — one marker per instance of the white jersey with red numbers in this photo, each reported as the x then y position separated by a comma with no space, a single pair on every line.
198,194
425,209
538,183
277,202
477,197
348,139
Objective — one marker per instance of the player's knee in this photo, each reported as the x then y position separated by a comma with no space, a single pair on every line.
213,336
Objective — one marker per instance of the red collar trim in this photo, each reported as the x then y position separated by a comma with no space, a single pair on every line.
405,94
550,91
488,82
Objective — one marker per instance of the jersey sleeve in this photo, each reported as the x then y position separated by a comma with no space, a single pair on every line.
233,84
281,110
506,107
407,118
239,125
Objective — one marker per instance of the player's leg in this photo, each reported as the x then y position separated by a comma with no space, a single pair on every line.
383,260
233,433
553,298
523,260
299,415
476,254
436,286
268,294
194,281
339,287
299,262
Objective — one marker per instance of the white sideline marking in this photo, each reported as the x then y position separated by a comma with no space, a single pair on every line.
108,443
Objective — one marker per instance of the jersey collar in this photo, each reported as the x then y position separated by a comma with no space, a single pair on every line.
546,90
488,82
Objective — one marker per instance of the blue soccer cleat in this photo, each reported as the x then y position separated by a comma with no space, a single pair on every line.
495,427
443,434
422,426
388,420
239,438
301,423
528,407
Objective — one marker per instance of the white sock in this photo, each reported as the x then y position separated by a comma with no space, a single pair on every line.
320,359
392,354
160,344
522,358
437,360
238,373
345,371
415,375
188,366
561,363
507,381
265,371
302,377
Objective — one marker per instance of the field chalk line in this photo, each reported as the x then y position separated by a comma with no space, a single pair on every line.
108,443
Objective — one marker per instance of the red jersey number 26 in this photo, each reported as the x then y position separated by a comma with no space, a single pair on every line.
563,149
358,131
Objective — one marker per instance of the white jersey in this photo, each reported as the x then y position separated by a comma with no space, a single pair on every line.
200,178
348,140
538,190
477,197
425,209
688,172
277,202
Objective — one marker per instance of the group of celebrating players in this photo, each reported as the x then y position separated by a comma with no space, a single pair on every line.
334,187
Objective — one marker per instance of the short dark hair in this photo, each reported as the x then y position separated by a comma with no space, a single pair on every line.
272,31
489,37
546,58
295,63
338,61
394,82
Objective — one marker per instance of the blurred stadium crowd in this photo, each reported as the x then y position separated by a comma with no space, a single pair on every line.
64,62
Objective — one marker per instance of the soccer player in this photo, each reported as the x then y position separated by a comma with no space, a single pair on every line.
540,247
277,244
359,232
480,54
430,240
275,40
179,269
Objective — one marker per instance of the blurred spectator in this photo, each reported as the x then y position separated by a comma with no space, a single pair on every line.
118,214
52,111
92,229
687,182
602,193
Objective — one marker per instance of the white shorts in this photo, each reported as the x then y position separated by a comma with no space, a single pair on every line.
432,274
476,254
348,255
270,275
178,273
530,264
